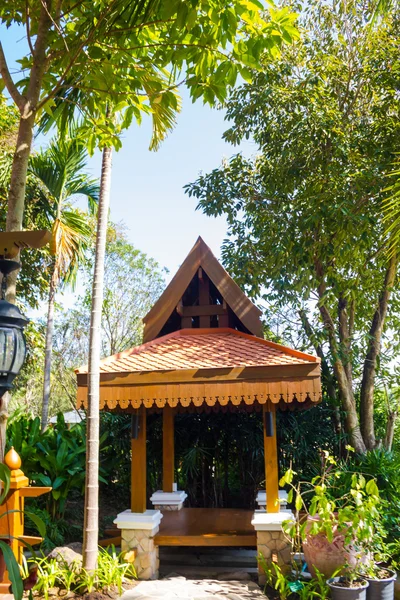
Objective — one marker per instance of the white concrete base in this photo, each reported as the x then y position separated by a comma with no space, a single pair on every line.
262,499
263,521
168,500
148,520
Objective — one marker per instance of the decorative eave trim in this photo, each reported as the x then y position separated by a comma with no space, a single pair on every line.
289,391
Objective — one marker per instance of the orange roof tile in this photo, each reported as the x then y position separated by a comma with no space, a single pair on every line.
202,349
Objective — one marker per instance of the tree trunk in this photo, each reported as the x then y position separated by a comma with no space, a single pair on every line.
91,525
16,195
374,349
48,350
346,393
15,212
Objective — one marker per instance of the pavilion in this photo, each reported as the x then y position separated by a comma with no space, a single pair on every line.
203,350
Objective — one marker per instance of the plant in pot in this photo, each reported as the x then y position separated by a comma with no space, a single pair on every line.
380,578
333,525
349,585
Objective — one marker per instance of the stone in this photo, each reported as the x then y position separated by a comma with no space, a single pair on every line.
264,536
66,555
281,544
76,547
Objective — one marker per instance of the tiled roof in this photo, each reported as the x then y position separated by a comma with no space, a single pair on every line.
202,349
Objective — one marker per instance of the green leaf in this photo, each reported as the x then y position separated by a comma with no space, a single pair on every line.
371,488
299,502
5,478
13,570
40,525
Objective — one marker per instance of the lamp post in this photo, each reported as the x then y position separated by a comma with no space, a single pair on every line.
12,340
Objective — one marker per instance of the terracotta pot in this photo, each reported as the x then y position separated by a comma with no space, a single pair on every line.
327,556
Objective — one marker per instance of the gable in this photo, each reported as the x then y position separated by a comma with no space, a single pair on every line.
202,294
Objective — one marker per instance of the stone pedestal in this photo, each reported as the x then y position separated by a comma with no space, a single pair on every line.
262,499
168,500
137,533
272,542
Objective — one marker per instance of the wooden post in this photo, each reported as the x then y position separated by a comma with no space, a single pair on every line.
138,467
12,513
271,459
168,449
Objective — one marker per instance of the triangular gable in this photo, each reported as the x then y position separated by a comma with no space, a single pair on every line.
201,256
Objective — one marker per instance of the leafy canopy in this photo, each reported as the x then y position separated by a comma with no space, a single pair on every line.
307,210
102,53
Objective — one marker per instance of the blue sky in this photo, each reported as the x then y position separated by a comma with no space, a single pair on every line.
147,187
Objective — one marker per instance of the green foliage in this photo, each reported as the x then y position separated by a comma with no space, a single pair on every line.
305,221
112,571
59,170
54,458
292,584
131,61
353,510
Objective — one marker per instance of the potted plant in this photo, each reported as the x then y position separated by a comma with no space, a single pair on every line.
349,586
333,526
380,578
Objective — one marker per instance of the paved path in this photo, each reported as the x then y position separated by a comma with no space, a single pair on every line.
173,588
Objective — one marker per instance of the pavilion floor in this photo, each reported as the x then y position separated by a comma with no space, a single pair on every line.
207,527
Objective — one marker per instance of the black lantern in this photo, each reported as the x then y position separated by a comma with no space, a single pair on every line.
12,340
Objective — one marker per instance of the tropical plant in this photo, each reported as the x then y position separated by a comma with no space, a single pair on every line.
55,458
112,571
305,215
354,514
291,583
59,169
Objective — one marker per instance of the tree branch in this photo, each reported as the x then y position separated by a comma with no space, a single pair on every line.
373,351
10,85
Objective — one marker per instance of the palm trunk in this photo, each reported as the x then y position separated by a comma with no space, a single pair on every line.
374,349
91,525
48,350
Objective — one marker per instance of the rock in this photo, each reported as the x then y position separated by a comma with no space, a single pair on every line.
66,554
76,547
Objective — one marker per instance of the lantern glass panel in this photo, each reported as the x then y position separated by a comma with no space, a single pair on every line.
7,347
12,350
20,351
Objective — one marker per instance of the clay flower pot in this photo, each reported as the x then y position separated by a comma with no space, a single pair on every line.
327,556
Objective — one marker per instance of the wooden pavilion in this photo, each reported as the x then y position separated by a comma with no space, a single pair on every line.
203,350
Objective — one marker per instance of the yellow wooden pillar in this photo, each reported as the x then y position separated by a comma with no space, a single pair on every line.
271,458
168,449
138,467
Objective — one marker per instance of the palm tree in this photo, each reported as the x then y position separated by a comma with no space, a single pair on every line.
163,120
59,171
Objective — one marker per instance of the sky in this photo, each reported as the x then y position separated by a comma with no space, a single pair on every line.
147,187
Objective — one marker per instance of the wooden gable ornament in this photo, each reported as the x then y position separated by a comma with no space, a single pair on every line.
202,295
